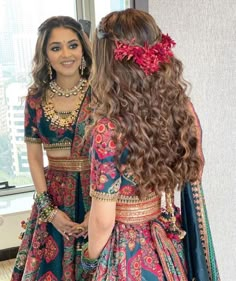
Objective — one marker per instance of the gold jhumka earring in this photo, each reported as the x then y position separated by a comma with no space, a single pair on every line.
49,71
83,65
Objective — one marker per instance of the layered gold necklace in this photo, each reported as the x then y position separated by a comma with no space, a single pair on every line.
56,89
63,119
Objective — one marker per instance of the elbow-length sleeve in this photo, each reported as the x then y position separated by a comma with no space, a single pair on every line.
30,121
105,177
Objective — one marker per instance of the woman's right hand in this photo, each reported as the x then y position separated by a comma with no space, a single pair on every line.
63,223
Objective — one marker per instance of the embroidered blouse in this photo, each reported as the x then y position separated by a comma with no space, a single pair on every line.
107,182
39,129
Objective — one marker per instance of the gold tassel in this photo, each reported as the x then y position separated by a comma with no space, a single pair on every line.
171,216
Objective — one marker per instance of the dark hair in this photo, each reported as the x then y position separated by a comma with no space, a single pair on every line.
150,112
40,68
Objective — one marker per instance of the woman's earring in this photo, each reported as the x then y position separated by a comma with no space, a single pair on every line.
49,71
82,65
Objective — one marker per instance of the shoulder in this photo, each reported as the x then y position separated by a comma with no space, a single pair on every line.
104,126
34,91
34,97
103,134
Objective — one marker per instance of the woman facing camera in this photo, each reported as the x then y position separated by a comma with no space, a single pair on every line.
56,113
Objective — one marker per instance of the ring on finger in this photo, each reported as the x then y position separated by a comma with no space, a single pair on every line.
80,228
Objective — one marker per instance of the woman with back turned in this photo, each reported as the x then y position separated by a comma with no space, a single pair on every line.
146,143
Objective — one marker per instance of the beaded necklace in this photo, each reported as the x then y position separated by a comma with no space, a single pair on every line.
63,119
56,89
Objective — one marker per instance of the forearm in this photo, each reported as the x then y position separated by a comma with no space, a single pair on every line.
98,234
35,159
37,174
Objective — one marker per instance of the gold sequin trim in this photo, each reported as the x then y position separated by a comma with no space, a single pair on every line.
67,164
199,206
135,199
32,140
103,196
58,145
138,212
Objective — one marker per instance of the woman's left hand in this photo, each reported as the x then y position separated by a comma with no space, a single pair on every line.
80,229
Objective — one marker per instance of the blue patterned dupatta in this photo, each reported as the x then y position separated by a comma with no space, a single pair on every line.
199,249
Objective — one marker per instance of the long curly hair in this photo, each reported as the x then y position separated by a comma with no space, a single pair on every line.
40,65
150,112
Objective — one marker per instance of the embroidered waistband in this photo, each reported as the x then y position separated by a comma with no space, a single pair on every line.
58,145
137,211
67,164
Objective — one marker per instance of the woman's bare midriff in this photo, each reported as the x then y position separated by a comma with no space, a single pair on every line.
59,153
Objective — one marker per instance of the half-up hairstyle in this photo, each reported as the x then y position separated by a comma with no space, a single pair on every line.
151,112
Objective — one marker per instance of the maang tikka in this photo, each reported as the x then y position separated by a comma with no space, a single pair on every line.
83,65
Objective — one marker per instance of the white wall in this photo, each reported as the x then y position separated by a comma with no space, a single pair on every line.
13,209
205,33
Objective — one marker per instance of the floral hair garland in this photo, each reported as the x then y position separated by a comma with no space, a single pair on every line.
147,57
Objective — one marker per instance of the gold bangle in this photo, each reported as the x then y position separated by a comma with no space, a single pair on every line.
52,215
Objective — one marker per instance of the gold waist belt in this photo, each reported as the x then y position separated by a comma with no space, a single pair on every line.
138,211
68,164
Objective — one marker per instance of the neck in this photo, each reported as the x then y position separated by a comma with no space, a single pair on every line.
67,82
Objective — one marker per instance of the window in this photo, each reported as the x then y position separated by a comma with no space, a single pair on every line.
108,6
19,20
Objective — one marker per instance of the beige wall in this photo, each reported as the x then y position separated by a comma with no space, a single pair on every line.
10,228
205,33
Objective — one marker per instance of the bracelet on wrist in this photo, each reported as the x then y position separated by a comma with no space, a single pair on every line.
42,200
88,264
47,210
52,215
45,213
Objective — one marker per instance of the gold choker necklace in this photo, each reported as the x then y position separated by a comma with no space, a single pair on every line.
63,119
56,89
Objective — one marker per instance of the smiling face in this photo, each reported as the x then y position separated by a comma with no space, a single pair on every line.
64,52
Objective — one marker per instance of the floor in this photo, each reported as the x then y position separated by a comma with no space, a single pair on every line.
6,269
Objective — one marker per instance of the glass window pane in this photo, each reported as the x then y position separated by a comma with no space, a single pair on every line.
19,20
109,6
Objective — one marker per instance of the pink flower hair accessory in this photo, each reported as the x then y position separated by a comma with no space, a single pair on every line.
147,57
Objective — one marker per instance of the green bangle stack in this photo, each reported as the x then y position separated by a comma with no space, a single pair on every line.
47,210
89,265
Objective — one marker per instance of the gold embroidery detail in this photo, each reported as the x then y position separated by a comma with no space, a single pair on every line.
132,211
103,195
58,145
107,196
135,199
67,164
199,206
32,140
